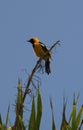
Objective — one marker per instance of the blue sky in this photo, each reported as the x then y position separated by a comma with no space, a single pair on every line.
49,21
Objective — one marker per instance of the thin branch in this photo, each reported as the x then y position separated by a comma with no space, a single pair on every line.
57,43
30,78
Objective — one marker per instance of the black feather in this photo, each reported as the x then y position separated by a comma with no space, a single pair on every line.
47,67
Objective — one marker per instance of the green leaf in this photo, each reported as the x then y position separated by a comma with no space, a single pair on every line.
72,118
31,125
19,96
78,119
21,123
1,127
39,110
0,119
7,116
1,124
53,123
64,124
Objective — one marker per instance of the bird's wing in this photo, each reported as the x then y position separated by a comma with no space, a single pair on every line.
45,49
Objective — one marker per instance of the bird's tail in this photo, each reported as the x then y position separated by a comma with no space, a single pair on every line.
47,67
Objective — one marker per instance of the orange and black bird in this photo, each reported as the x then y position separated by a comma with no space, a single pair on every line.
41,51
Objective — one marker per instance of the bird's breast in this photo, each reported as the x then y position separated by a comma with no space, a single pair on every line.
40,52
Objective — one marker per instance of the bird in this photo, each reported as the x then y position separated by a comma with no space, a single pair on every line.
42,52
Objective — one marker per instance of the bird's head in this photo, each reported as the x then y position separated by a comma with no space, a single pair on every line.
33,40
